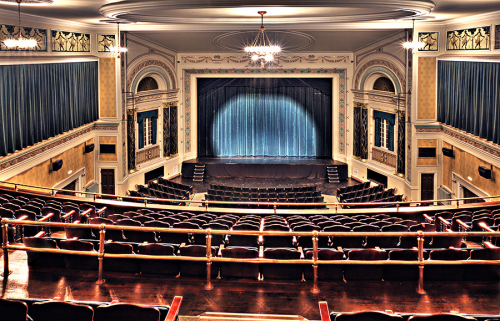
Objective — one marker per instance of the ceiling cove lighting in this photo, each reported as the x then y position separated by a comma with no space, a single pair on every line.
413,45
20,42
117,49
261,49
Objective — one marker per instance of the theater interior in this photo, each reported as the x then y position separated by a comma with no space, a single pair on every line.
250,160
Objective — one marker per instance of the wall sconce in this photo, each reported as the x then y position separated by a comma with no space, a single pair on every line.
88,148
485,172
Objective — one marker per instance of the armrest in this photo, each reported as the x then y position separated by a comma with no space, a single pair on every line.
40,234
101,210
68,215
220,250
489,245
462,224
22,218
86,213
46,217
323,311
428,218
174,309
443,221
485,227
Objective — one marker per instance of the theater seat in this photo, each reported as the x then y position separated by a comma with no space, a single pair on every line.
76,261
368,316
441,317
325,271
483,272
12,310
198,268
240,270
60,311
126,312
402,272
165,267
282,270
444,272
365,272
119,264
37,259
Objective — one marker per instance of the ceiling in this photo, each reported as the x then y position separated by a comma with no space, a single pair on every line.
190,26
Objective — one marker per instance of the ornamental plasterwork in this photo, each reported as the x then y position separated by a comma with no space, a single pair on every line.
380,62
464,137
148,98
278,60
148,63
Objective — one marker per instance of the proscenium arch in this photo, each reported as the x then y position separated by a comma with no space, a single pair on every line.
380,70
158,74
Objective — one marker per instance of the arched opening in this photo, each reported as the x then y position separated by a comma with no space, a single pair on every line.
147,83
383,84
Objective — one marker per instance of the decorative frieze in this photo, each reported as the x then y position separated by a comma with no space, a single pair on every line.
147,154
281,59
385,157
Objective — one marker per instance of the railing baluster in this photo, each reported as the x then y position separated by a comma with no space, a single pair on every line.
315,288
420,289
5,243
102,232
209,285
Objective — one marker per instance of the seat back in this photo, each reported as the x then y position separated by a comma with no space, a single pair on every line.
12,310
441,317
367,315
60,311
126,312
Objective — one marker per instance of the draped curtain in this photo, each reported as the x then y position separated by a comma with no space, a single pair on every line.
469,98
391,119
44,100
264,117
153,114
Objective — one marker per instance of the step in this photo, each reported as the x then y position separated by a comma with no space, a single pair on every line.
249,317
197,179
199,166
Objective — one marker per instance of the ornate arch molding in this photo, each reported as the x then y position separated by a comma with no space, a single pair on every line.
151,67
382,66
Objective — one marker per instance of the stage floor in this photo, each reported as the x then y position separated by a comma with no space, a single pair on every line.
264,167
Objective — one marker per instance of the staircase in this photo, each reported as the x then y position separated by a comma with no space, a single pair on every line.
199,173
332,174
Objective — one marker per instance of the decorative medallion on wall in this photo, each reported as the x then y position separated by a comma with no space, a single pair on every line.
104,42
497,37
469,39
67,41
12,32
341,90
430,41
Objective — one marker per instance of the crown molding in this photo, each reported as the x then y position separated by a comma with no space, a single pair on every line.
471,19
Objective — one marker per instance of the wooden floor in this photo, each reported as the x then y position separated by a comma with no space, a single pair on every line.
266,297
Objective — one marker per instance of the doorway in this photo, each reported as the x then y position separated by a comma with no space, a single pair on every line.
427,187
108,181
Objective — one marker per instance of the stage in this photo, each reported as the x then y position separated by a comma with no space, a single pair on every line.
264,167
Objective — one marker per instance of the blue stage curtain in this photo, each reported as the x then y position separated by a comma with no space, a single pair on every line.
44,100
391,119
153,114
264,117
469,98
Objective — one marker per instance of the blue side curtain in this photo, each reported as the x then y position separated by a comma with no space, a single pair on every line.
153,114
469,98
391,119
264,117
44,100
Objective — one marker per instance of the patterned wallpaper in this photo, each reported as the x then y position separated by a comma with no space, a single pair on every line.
73,159
107,87
341,90
109,140
427,82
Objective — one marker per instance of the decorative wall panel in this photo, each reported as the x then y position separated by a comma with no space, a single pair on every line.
166,132
12,32
469,39
107,87
364,134
430,40
356,145
147,154
131,139
109,140
173,131
427,82
408,110
400,168
383,156
68,41
427,143
105,42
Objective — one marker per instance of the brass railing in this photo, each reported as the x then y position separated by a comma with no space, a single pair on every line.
209,258
153,202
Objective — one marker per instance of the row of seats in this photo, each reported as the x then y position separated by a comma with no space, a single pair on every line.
168,189
154,191
264,195
352,188
263,189
385,316
268,270
56,310
312,200
361,192
163,181
372,200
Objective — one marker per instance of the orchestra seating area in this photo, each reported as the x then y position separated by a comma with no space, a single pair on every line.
363,193
57,310
165,189
299,194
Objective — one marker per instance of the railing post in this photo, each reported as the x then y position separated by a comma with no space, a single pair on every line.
420,289
315,289
206,206
397,207
102,232
274,206
5,243
336,204
458,204
209,285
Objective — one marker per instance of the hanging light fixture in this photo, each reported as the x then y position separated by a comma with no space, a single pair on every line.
20,42
117,49
261,48
414,45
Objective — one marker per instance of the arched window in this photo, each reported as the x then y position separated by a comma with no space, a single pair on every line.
147,83
384,84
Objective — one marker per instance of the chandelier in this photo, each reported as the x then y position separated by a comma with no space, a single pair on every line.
261,49
413,45
117,49
20,42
